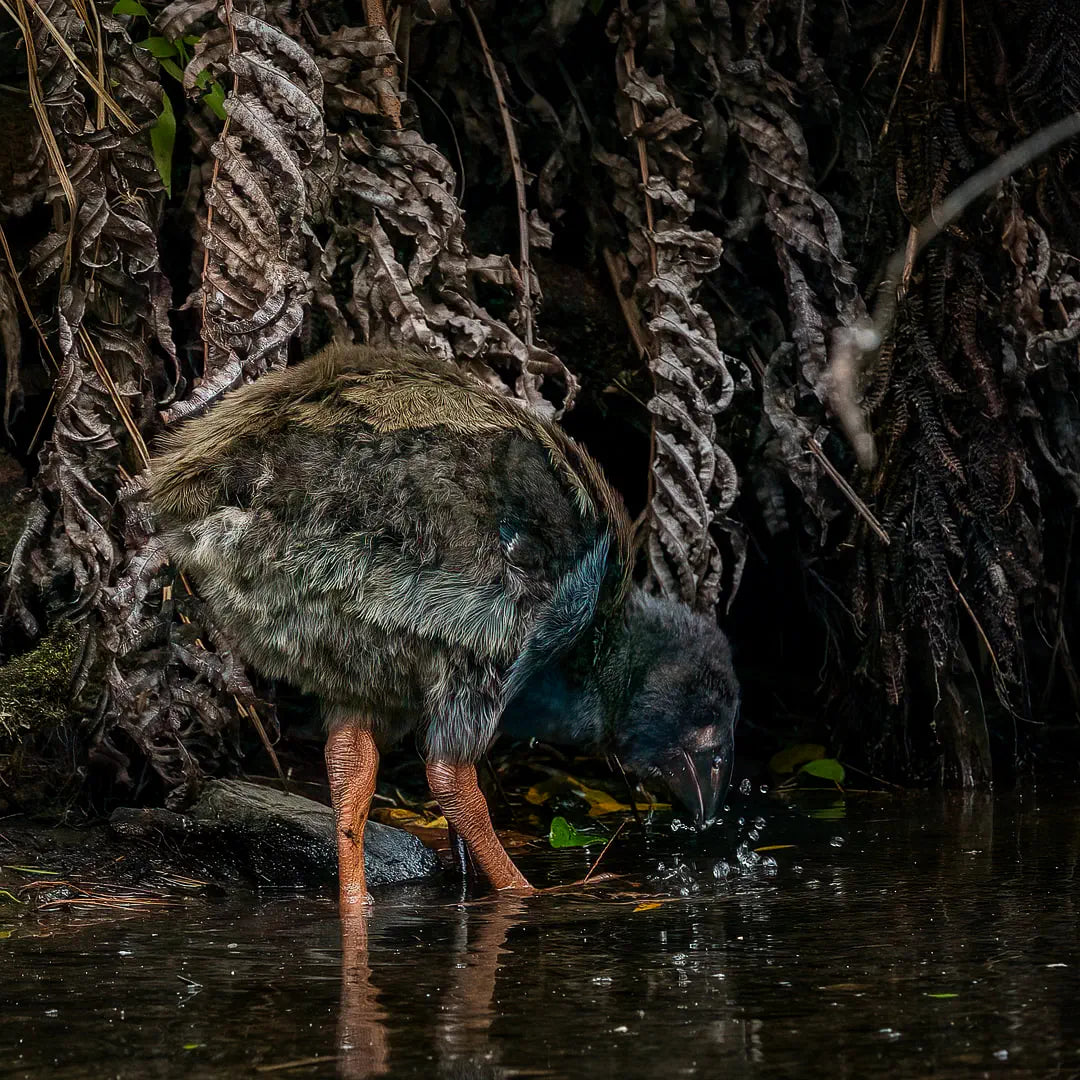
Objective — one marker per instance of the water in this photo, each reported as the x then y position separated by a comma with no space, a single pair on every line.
940,938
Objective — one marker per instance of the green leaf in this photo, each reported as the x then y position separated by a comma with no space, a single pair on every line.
202,80
163,139
216,99
158,46
836,812
191,39
129,7
563,834
173,68
789,759
942,996
825,769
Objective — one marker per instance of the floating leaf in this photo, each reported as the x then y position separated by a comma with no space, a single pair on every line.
825,769
774,847
942,996
158,46
648,907
162,139
563,834
788,760
129,7
600,802
398,815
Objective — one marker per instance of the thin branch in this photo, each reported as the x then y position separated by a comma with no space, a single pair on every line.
854,347
389,102
98,86
25,302
519,176
847,490
56,159
614,837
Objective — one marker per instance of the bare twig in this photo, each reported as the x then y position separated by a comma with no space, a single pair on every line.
630,313
98,86
854,347
614,837
847,490
389,103
25,302
56,159
630,791
643,156
978,625
519,176
235,49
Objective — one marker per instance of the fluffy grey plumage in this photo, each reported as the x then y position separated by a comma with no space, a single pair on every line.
420,551
387,535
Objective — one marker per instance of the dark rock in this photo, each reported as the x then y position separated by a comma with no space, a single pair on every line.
242,829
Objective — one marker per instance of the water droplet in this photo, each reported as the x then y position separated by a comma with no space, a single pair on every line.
764,789
721,870
836,841
1001,1055
768,864
745,786
746,858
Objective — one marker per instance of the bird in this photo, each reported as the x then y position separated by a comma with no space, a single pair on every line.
426,555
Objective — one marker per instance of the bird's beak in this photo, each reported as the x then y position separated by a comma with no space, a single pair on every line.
699,783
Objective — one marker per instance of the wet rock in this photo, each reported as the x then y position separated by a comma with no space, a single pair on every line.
242,829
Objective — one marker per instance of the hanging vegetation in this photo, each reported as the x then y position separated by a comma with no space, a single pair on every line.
199,192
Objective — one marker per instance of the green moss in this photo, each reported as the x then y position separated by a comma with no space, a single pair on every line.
35,688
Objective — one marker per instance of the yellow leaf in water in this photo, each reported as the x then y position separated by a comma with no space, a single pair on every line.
647,907
600,802
774,847
789,759
398,815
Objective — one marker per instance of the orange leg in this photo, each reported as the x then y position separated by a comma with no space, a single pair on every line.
352,761
462,802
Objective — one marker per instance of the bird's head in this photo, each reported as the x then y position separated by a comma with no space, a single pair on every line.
682,705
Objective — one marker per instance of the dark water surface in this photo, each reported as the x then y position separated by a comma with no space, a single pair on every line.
912,937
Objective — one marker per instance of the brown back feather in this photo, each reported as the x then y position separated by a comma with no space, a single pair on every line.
384,390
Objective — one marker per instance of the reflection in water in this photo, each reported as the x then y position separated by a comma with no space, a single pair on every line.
917,936
464,1015
361,1035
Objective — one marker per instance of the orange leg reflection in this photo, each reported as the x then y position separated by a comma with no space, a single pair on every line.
363,1050
467,1013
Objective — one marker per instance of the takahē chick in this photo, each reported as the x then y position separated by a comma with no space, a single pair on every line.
420,551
